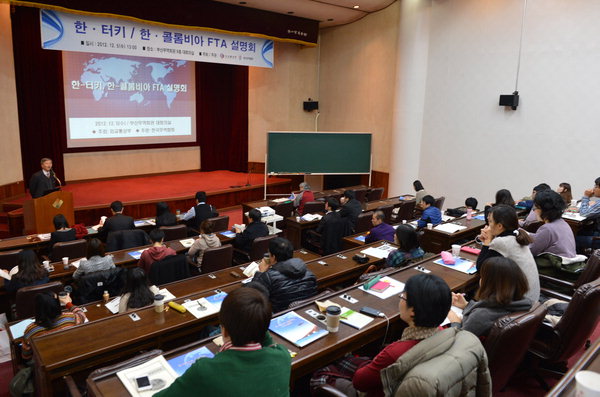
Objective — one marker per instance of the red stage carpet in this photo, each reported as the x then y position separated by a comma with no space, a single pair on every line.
156,188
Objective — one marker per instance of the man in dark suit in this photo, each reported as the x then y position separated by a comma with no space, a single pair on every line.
243,240
116,222
42,180
332,228
351,208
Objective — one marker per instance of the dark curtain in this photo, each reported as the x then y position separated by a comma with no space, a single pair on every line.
221,105
222,112
38,75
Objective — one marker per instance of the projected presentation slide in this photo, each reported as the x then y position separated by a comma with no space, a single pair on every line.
114,100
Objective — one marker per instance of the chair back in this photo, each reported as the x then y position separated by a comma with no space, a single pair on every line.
217,258
124,239
91,286
313,207
284,209
387,211
334,230
72,249
361,194
9,259
176,232
533,226
172,268
375,194
25,298
591,271
439,202
577,324
260,246
406,211
220,223
508,342
363,223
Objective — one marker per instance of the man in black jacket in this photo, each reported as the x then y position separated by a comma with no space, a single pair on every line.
351,208
243,240
116,222
286,278
332,228
43,180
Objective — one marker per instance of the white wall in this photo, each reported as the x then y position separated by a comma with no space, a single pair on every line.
472,146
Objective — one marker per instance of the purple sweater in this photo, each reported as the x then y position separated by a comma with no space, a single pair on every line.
383,231
556,238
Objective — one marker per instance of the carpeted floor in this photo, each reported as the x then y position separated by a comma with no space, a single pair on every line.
156,187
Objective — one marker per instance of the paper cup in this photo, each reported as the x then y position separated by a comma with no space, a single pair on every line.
159,303
46,264
333,318
430,226
587,384
455,250
65,260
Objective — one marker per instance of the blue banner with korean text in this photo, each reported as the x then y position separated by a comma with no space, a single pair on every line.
81,33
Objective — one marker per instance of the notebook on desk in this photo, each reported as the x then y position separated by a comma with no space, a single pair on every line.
296,329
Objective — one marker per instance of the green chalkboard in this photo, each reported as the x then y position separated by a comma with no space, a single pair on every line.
318,153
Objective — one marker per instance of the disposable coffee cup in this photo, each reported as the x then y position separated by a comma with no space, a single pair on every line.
574,203
333,318
587,384
65,261
297,219
46,265
455,250
159,303
430,226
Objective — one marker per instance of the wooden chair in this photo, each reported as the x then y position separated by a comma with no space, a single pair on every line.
9,259
220,223
405,211
176,232
217,258
25,298
361,194
172,268
260,246
124,239
313,207
439,202
563,289
71,249
387,210
375,194
363,223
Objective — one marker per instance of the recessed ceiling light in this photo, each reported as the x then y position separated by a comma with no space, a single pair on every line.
357,6
290,12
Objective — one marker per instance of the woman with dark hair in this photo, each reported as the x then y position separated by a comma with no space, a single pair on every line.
555,235
49,318
421,192
96,260
63,231
503,196
206,240
502,289
502,237
164,217
564,189
28,272
137,293
408,250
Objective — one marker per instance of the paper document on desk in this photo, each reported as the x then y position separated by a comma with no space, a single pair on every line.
44,236
76,263
354,319
461,264
449,227
113,305
200,307
159,372
187,243
281,200
251,269
380,252
168,296
574,216
457,310
446,218
311,217
395,288
137,254
17,330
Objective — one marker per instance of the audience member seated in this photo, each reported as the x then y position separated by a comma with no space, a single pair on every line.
200,212
286,278
471,203
351,208
137,293
564,189
430,214
408,250
164,217
28,272
502,288
306,195
95,260
63,231
503,196
555,235
420,191
380,229
116,222
531,217
206,240
248,364
157,252
423,305
590,207
330,231
243,239
49,318
502,237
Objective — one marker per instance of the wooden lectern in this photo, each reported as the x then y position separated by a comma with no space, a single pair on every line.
39,213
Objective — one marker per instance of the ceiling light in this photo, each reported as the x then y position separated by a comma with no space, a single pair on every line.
356,6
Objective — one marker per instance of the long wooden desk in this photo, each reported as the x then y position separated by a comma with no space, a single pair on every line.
436,241
334,345
105,340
